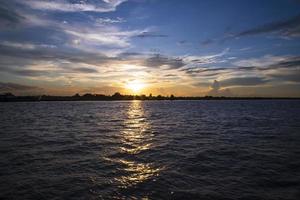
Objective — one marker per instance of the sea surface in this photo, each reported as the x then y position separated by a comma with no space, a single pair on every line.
214,150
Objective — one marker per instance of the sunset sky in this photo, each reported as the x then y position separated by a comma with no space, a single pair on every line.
185,48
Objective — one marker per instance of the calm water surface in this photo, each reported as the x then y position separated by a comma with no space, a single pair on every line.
150,150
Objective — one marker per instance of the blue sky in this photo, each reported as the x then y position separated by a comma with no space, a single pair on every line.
193,47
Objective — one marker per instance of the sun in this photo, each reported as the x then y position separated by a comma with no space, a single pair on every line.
135,86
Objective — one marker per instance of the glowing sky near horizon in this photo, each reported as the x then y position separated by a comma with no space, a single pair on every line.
185,48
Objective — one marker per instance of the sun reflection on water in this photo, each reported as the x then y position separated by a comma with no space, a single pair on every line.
136,138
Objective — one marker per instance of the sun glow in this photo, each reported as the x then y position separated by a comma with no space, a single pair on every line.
135,86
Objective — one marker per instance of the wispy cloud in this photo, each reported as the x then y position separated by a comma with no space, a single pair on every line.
264,64
207,42
9,87
266,60
217,90
160,61
8,16
244,81
206,59
110,20
93,35
101,38
28,46
76,6
290,76
148,34
289,28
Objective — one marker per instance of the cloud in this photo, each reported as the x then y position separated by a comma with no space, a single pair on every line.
288,62
102,38
207,72
260,62
8,16
250,73
216,90
288,28
78,51
97,33
251,65
30,72
182,42
39,52
74,6
268,62
160,60
207,42
56,48
33,60
243,81
110,20
50,71
147,34
226,87
6,87
28,46
292,76
215,85
206,59
84,70
90,35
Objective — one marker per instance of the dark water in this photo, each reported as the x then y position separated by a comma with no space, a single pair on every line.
150,150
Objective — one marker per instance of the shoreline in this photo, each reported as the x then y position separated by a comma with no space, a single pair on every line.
32,99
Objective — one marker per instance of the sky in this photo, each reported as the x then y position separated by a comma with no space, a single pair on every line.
185,48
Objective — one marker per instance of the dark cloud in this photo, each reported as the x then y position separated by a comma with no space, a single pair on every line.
14,86
183,43
125,54
203,70
147,34
170,75
50,54
15,60
29,72
84,70
128,55
289,63
243,81
160,60
208,71
247,68
289,76
207,42
217,90
22,71
289,28
48,73
73,5
203,84
36,73
8,17
216,85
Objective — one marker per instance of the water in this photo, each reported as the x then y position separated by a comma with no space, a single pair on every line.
150,150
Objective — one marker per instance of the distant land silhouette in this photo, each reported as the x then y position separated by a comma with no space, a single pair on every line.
9,97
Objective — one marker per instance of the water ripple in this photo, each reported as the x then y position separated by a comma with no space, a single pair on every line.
150,150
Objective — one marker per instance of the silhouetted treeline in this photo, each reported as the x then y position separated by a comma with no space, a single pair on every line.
9,97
